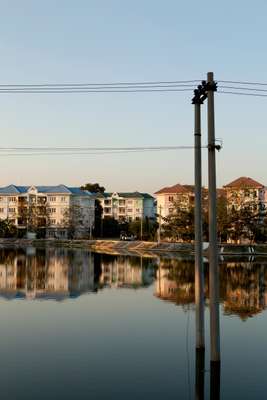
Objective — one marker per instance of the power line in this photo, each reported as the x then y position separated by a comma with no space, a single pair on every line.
101,84
106,87
245,83
129,148
16,91
242,88
242,93
38,152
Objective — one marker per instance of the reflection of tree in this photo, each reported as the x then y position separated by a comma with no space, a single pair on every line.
242,286
175,281
244,289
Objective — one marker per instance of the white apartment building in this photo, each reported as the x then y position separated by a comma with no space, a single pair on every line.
130,206
55,208
166,198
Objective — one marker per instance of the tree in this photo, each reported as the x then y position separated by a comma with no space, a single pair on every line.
7,229
149,228
111,227
93,188
246,224
179,225
34,216
98,225
73,220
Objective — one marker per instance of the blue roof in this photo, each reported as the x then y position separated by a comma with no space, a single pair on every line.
61,189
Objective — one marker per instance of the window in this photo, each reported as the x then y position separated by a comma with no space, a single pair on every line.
53,221
130,210
171,198
52,199
11,210
51,210
137,210
121,210
63,199
1,198
2,210
129,202
12,199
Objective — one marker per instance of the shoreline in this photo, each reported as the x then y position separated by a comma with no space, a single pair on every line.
140,247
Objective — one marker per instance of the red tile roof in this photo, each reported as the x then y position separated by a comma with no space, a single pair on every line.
244,183
176,189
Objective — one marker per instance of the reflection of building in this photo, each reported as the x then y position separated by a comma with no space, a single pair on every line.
58,273
52,273
127,206
52,207
121,272
175,282
245,291
243,286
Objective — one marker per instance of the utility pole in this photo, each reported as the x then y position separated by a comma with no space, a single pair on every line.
159,228
211,87
197,100
141,228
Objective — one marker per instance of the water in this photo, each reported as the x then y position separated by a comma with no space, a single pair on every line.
78,325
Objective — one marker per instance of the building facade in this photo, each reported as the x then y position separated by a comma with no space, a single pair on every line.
182,195
57,209
131,206
245,192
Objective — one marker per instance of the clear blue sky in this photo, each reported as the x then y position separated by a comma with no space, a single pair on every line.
112,40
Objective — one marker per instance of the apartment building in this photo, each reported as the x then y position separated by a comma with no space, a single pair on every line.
55,208
130,206
245,192
184,195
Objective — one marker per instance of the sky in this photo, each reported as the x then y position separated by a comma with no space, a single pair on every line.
120,40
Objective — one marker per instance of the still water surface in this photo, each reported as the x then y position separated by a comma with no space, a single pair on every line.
78,325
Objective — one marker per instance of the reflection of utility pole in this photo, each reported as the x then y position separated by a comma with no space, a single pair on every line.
215,380
200,375
159,228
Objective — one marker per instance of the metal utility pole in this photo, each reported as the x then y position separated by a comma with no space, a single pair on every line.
211,87
199,269
159,228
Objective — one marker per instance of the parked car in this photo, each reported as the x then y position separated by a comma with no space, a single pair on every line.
127,236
